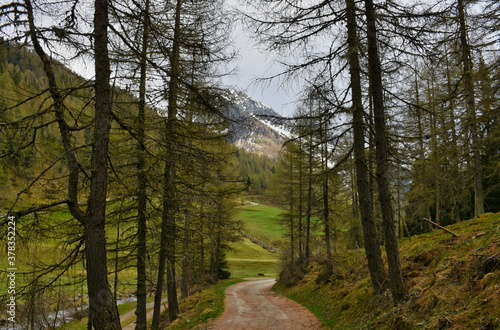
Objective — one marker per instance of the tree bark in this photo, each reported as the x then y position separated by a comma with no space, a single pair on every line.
300,229
326,204
372,248
102,305
141,321
471,111
292,237
185,258
309,203
168,230
391,242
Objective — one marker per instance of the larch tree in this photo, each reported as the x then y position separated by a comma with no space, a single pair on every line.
102,305
375,73
470,105
374,255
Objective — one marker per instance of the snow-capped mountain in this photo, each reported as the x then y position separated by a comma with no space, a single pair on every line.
256,127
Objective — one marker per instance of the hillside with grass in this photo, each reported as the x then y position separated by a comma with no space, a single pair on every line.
248,259
452,283
263,222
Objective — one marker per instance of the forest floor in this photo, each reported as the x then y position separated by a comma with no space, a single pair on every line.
253,305
452,283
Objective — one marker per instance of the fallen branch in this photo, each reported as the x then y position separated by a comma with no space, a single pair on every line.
441,227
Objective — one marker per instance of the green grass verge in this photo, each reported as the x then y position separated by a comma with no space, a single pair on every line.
251,268
203,306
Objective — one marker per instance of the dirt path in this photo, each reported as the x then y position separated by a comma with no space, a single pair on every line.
253,305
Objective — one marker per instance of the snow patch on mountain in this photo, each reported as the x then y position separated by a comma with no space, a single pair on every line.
256,127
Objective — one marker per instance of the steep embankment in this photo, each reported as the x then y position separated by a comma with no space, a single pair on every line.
452,282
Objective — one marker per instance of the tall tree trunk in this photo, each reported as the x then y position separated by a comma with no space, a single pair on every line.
185,251
186,262
437,167
371,162
391,242
103,313
471,111
218,242
162,254
202,242
421,155
300,229
454,146
173,307
326,197
372,248
141,321
309,203
117,255
168,234
292,238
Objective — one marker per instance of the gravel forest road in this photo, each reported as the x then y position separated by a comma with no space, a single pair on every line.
253,305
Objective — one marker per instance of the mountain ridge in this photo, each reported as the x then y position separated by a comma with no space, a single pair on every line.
256,128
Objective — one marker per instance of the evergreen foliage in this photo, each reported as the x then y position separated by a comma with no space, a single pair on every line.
256,170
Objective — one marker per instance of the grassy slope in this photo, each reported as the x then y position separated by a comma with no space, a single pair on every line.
263,223
247,259
202,306
448,281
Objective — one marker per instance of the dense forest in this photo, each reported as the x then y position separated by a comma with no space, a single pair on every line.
398,123
125,180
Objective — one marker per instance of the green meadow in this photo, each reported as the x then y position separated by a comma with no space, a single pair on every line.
248,259
263,222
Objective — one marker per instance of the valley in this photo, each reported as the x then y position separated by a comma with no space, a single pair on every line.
140,187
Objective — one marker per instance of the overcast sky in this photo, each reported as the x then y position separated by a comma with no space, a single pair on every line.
253,63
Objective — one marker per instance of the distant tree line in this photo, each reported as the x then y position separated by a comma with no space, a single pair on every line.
257,171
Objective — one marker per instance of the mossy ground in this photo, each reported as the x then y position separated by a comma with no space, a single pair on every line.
452,282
